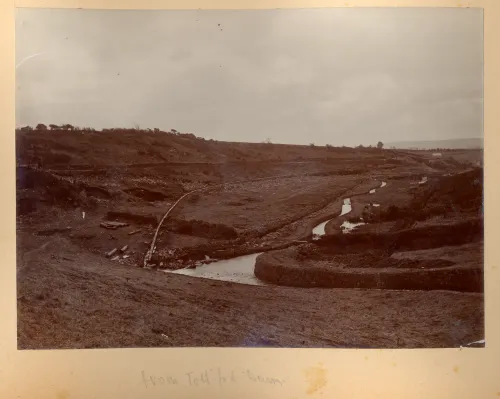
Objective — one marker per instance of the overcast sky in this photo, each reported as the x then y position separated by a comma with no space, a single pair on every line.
341,76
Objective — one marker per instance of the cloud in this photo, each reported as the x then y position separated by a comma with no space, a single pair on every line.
339,76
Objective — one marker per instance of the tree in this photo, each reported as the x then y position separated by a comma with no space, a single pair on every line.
380,145
53,127
41,126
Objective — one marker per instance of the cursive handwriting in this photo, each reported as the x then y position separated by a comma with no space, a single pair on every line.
209,377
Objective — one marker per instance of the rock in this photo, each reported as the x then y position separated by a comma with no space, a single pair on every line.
124,248
115,257
126,256
134,232
112,252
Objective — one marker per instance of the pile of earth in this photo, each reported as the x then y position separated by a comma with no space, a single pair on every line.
364,261
408,239
36,187
458,193
446,196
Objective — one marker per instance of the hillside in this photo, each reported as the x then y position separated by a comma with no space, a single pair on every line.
91,248
472,143
63,147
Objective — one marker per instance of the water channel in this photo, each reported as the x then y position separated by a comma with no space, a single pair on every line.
241,269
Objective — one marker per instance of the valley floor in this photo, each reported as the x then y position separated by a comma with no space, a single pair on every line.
69,299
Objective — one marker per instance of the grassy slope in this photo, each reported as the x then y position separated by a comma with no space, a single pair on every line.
132,147
70,297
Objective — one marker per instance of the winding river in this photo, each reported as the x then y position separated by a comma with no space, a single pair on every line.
241,269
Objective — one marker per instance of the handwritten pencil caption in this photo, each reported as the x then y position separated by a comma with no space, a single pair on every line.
209,377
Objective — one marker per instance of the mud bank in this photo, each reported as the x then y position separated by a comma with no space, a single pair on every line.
405,240
280,267
314,265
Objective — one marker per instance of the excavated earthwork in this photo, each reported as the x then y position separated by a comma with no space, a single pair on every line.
318,265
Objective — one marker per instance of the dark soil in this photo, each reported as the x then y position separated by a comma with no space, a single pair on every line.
280,268
253,198
70,299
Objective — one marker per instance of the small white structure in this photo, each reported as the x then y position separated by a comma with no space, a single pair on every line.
437,155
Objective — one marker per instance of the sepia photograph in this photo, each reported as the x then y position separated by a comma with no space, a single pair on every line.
295,178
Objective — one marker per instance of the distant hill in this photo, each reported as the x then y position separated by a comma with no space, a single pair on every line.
78,147
433,144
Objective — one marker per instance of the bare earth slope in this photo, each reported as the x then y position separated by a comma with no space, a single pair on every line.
89,203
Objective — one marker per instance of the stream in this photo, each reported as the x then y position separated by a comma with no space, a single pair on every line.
241,268
319,230
237,270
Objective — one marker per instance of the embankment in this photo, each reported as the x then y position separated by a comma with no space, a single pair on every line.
314,265
280,267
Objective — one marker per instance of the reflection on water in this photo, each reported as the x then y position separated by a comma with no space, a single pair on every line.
319,230
382,185
238,270
347,227
346,208
241,269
